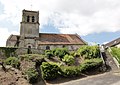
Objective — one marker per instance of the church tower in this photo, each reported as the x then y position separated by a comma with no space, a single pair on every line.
29,29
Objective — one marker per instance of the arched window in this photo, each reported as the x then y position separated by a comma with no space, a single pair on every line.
28,18
29,50
47,47
33,19
63,46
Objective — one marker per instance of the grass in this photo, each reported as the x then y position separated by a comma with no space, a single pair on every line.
116,53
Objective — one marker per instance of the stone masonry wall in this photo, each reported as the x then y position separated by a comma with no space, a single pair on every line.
6,52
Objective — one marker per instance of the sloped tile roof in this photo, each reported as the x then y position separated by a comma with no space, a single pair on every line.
13,37
113,43
46,38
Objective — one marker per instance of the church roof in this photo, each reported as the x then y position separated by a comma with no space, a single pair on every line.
13,37
46,38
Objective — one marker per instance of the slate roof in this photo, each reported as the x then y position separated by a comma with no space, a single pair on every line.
113,43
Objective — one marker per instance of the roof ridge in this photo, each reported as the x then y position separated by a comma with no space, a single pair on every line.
57,33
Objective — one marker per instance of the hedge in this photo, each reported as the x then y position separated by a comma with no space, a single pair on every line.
91,64
50,70
89,52
60,52
68,59
70,71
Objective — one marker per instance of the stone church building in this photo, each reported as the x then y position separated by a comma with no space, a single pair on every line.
31,38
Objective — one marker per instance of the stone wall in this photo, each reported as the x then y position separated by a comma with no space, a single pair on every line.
6,52
10,51
70,47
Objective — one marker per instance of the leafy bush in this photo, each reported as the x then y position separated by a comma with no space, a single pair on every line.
68,59
90,64
13,61
89,52
116,53
32,75
48,53
53,70
50,70
70,71
28,57
60,52
72,53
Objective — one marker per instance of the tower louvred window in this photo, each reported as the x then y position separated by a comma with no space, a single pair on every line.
28,18
33,19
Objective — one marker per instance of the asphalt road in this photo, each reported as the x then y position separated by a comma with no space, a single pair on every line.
109,78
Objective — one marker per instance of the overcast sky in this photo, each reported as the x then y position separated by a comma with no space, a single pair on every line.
94,20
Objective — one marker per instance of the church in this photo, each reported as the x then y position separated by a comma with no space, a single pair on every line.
31,38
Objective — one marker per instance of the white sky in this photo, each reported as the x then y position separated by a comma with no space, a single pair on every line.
69,16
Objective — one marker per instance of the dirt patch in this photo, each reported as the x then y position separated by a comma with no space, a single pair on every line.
12,77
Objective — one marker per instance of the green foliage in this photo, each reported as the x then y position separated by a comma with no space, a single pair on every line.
89,52
53,70
60,52
8,51
30,56
70,71
68,59
72,53
13,61
48,53
116,53
91,64
50,70
32,75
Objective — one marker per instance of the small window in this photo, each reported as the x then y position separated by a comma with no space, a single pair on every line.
63,46
29,47
47,47
33,19
29,50
28,18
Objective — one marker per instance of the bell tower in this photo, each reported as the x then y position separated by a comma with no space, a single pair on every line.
29,28
30,24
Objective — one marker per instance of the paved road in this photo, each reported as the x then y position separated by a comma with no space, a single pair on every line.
110,78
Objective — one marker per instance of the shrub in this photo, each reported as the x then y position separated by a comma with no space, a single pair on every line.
70,71
68,59
60,52
13,61
9,51
72,53
53,70
28,57
89,52
48,53
90,64
50,70
32,75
